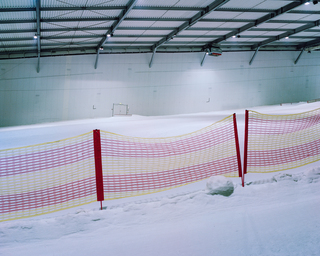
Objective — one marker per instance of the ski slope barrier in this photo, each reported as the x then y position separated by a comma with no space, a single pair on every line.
99,166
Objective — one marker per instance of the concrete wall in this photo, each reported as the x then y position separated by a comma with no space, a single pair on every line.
70,88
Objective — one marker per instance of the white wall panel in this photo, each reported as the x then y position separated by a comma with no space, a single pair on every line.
70,88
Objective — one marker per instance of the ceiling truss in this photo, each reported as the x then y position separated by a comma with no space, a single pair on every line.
68,29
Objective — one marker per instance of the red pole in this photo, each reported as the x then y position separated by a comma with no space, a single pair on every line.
237,144
245,157
98,165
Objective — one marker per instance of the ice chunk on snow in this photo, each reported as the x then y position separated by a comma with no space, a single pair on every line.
219,185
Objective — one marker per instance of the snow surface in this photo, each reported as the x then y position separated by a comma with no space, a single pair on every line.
274,214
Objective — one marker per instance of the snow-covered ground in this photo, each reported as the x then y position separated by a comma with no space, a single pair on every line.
274,214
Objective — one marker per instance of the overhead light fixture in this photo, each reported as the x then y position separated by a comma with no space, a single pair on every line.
238,36
287,37
101,48
108,35
35,36
307,3
233,36
315,2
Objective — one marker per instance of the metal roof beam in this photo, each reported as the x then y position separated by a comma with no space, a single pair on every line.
147,43
214,5
65,29
145,28
120,50
148,8
140,36
265,10
259,21
102,8
114,26
312,43
18,9
287,34
117,20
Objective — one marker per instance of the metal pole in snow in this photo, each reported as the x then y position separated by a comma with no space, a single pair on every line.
245,157
237,148
98,165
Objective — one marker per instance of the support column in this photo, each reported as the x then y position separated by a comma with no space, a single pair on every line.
299,56
204,57
97,58
151,61
254,55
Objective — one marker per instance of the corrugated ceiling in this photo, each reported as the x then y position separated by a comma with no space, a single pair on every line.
153,25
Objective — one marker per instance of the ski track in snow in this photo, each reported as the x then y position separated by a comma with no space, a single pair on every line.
248,222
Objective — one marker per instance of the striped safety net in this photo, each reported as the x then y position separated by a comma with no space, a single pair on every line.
47,177
135,166
282,142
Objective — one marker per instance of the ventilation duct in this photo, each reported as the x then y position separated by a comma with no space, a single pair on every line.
214,51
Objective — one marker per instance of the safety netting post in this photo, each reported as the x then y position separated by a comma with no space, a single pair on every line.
245,153
98,165
238,148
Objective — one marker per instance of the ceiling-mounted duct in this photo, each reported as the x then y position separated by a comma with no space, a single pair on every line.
313,48
214,51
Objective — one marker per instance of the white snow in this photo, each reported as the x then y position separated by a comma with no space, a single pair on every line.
274,214
220,185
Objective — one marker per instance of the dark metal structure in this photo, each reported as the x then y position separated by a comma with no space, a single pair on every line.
39,28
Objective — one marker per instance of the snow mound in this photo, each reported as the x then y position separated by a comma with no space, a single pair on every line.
313,175
219,185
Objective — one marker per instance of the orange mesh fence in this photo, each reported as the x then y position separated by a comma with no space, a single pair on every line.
282,142
58,175
47,177
136,166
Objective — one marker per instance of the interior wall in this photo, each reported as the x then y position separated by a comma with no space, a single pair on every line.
69,87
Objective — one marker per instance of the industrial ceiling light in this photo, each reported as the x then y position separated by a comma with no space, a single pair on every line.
35,36
233,36
287,37
108,35
307,3
101,48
